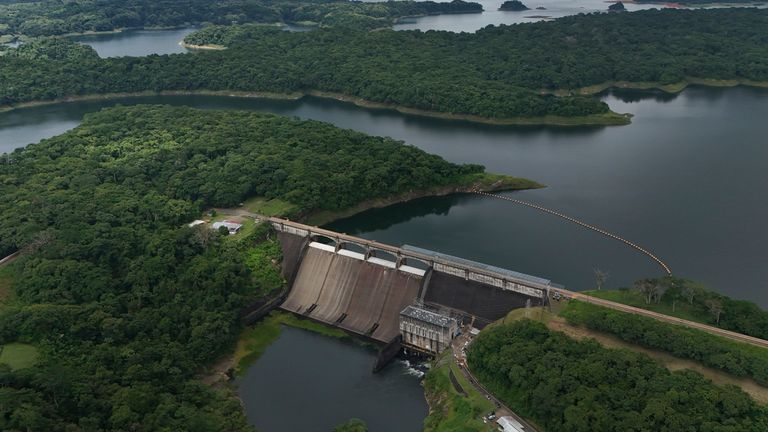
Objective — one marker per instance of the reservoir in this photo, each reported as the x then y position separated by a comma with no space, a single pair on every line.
309,382
686,180
137,43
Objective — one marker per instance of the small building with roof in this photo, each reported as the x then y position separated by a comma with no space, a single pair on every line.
232,227
427,331
510,424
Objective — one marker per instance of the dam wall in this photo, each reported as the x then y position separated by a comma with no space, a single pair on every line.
292,247
486,303
349,291
362,286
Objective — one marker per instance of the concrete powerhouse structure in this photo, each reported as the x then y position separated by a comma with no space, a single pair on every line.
427,331
367,287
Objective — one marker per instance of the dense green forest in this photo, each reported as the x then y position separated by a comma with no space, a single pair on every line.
56,17
690,300
496,72
739,359
124,302
579,386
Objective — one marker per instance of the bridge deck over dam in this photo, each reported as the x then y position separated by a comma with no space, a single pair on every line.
474,289
362,286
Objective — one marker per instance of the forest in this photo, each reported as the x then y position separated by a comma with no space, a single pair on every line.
55,17
127,304
579,386
497,72
690,300
738,359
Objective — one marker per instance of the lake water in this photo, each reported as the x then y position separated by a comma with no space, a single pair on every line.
137,43
686,180
308,382
491,14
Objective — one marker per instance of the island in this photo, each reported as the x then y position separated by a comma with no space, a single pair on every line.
617,7
513,5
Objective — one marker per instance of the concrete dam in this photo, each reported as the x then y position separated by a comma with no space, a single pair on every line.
362,286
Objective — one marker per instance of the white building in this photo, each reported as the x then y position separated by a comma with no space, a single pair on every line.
509,424
232,227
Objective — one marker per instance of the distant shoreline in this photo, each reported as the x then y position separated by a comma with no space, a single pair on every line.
608,119
668,88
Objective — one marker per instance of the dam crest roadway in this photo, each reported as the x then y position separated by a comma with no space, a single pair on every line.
362,285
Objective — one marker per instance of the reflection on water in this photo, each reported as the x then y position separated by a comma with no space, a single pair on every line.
308,382
684,180
381,219
137,43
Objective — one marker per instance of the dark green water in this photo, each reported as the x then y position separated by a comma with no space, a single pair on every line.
336,384
686,180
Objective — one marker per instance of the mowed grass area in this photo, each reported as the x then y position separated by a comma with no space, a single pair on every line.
633,298
269,207
557,323
18,355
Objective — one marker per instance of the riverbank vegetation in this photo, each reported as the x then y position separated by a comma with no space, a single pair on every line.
690,300
126,304
453,73
572,385
54,17
453,407
735,358
255,340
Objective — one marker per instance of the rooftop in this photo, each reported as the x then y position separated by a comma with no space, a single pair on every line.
489,268
428,316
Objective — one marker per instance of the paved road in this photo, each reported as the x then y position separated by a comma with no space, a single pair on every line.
661,317
606,303
9,259
458,346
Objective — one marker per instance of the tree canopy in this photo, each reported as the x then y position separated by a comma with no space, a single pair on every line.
498,72
126,303
579,386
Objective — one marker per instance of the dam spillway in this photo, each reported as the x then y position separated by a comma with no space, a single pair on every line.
351,292
364,292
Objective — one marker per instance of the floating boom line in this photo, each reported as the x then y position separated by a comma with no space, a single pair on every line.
583,224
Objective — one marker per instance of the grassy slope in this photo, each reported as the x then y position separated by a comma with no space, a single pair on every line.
255,340
632,298
449,410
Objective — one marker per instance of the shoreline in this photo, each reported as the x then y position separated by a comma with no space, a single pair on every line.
609,119
500,184
667,88
209,47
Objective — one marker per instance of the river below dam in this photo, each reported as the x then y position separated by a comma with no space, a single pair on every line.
686,180
309,382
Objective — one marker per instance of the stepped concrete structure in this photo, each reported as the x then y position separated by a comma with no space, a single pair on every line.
363,286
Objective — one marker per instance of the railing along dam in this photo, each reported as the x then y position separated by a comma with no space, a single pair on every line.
362,285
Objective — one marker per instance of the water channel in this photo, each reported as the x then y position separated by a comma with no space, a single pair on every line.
314,383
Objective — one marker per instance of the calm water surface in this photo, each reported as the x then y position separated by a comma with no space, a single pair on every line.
686,180
308,382
491,14
137,43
